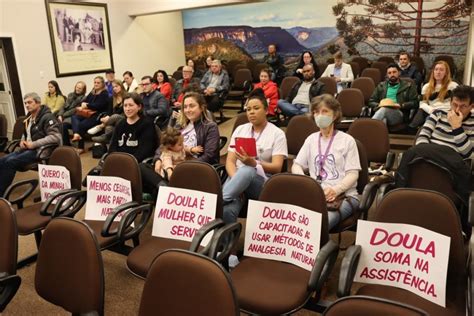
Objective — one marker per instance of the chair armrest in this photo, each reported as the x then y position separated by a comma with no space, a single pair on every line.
383,189
247,86
148,161
348,270
53,197
129,217
471,209
40,152
202,232
366,111
222,142
14,143
106,232
9,285
19,200
390,161
3,142
224,240
70,203
368,197
221,172
323,266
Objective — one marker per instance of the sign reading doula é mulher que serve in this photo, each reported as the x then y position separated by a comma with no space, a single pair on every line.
282,232
104,194
405,256
179,213
53,178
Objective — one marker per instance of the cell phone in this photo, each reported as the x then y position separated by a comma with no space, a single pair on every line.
248,144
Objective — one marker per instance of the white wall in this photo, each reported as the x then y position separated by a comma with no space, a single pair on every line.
141,45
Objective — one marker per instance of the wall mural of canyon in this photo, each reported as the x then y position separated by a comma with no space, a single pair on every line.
370,29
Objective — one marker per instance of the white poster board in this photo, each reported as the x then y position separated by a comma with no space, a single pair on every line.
104,194
405,256
179,213
282,232
53,178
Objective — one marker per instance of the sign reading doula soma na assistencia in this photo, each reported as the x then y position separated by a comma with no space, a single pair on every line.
179,213
53,178
282,232
104,194
405,256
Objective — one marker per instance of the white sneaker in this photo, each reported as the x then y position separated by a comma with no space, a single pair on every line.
96,129
233,261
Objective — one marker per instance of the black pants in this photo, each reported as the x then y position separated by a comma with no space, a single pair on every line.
150,179
419,119
213,102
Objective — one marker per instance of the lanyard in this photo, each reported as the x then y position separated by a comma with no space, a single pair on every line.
323,159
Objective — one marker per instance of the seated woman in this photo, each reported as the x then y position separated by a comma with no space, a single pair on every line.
270,90
306,58
115,114
436,93
161,82
97,102
129,82
136,134
248,174
74,99
200,138
54,98
332,159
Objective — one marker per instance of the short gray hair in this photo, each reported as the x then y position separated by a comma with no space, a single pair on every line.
217,61
34,96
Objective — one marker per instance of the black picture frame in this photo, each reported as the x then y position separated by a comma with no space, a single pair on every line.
80,37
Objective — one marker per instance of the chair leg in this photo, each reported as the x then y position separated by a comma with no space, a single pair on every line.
31,259
136,241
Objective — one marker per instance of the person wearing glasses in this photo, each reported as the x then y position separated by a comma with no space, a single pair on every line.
181,84
155,104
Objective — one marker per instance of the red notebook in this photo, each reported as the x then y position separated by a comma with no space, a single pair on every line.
248,144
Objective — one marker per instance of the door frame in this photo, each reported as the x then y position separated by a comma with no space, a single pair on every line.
7,44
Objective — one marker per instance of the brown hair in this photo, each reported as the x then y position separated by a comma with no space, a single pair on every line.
330,102
444,84
170,137
103,84
183,120
338,55
122,93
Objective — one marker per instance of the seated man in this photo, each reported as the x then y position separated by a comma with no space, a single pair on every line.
181,84
214,82
42,128
341,71
298,100
409,70
402,93
154,103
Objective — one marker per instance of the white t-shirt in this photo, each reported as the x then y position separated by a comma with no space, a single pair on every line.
430,105
302,97
189,135
343,156
270,142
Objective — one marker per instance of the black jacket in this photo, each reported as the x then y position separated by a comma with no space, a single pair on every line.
317,88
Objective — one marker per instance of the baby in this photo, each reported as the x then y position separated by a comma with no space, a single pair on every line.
172,152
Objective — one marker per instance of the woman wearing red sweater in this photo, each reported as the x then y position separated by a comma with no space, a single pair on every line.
161,83
270,90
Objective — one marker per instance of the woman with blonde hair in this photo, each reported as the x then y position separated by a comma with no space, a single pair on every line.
436,94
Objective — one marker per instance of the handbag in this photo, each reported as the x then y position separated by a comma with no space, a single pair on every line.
86,113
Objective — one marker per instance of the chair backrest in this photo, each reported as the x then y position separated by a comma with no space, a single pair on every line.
125,166
70,271
364,167
420,64
240,120
241,76
186,283
373,73
363,62
18,128
231,64
238,67
450,60
352,101
382,66
251,64
3,125
287,84
330,85
299,128
196,175
387,59
305,192
436,212
177,75
355,68
256,71
8,238
373,134
361,305
67,157
365,85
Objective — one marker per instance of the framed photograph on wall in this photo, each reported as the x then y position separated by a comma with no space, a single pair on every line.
80,37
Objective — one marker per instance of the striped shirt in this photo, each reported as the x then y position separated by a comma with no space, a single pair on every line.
437,130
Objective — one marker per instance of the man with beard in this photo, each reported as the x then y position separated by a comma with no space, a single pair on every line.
398,98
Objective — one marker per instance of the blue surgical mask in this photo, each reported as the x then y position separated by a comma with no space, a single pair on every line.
323,121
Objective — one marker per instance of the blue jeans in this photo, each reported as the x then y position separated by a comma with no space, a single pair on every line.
389,116
344,212
245,180
9,165
80,125
290,109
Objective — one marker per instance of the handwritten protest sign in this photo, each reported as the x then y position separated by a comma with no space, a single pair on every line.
104,194
52,179
282,232
179,213
405,256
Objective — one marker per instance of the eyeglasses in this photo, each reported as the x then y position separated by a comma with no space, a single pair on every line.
145,84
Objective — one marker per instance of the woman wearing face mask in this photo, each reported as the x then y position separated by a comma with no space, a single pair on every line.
248,174
331,157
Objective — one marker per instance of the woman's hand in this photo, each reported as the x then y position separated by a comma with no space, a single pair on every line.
299,70
175,114
105,119
84,105
245,158
158,166
196,150
330,194
60,119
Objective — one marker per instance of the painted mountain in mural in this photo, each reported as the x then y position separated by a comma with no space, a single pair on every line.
252,39
313,38
217,47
